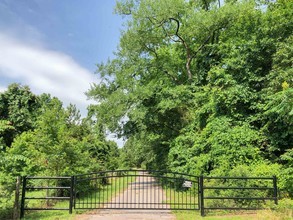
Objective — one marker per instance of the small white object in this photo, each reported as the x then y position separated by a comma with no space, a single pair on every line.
187,184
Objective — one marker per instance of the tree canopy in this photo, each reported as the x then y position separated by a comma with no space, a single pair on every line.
200,86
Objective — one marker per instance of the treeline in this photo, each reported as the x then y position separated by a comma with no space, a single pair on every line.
203,87
38,136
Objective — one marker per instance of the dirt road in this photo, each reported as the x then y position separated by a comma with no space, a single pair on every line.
137,193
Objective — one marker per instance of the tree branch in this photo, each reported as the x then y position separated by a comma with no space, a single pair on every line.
188,51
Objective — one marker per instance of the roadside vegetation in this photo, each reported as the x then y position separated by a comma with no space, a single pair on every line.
199,87
41,137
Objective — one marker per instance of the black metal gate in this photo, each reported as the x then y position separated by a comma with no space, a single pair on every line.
136,189
143,189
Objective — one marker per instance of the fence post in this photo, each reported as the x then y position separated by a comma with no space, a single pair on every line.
16,201
201,195
22,205
275,189
71,194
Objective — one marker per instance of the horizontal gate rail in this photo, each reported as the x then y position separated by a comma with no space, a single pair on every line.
26,188
268,192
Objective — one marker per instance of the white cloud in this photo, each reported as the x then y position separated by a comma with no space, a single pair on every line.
45,71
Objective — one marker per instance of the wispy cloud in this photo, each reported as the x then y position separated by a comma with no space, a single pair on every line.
45,71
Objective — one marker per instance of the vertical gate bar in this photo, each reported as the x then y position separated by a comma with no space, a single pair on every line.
111,189
201,195
134,192
123,199
124,179
153,200
147,189
71,194
178,194
164,190
143,189
80,193
126,189
174,192
131,193
138,190
182,199
186,195
154,187
99,190
170,190
114,188
103,182
120,176
23,197
190,197
107,189
83,198
275,189
95,190
151,194
198,193
74,191
132,187
87,196
91,194
135,202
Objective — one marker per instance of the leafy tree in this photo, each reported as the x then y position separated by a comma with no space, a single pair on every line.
196,83
18,111
60,143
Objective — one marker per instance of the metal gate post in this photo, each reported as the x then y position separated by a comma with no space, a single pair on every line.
201,195
71,194
22,197
275,190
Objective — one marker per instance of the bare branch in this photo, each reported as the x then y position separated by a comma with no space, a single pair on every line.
189,56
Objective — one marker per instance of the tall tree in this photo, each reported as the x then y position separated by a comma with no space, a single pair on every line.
196,83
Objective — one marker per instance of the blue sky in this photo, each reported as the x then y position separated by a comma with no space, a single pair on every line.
53,46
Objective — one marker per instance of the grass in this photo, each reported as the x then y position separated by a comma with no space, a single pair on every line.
258,215
283,212
117,185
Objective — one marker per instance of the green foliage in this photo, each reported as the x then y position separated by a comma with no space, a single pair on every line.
18,111
201,87
43,138
219,146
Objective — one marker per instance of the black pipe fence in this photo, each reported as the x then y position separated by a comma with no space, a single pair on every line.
62,188
184,192
237,193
